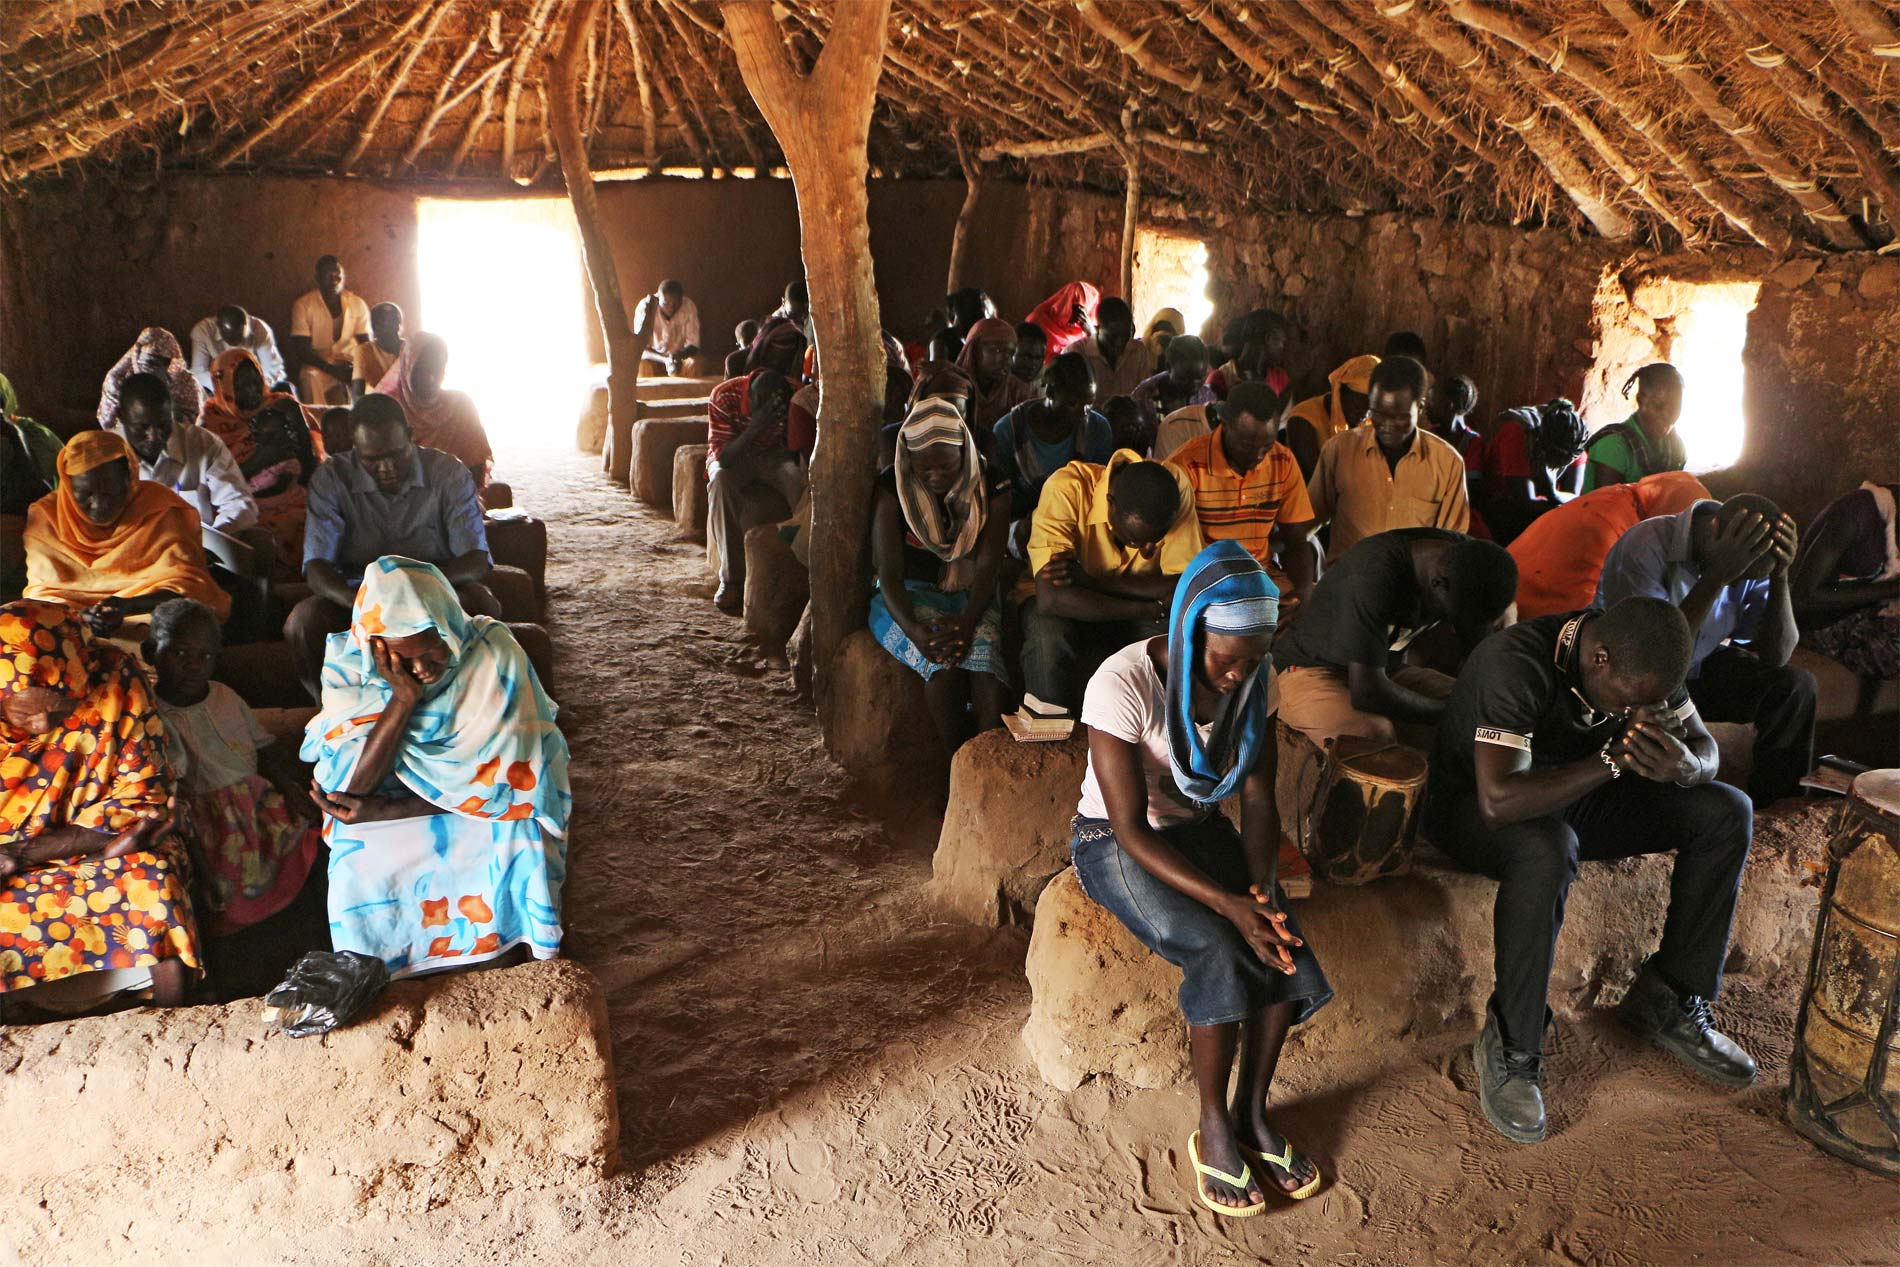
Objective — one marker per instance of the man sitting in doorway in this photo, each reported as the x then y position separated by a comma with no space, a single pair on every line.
233,327
1106,547
669,323
1247,488
371,360
1386,472
1569,739
191,461
326,324
387,495
755,449
1726,566
1335,662
1120,361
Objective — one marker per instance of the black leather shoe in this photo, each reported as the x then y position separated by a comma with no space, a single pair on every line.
730,599
1510,1085
1684,1026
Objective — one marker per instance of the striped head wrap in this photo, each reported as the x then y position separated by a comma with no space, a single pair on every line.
1224,591
948,526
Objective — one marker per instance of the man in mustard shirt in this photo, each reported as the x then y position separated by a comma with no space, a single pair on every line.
1107,545
1388,472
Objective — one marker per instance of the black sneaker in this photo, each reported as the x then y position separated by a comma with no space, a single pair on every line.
1510,1085
1684,1026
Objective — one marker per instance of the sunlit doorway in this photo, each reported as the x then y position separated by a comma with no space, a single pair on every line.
501,281
1171,272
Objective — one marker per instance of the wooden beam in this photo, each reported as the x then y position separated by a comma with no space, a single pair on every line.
1134,48
1053,146
444,102
1884,122
1872,24
327,79
1819,205
416,49
713,77
525,46
973,181
1131,202
477,118
641,85
822,121
1565,59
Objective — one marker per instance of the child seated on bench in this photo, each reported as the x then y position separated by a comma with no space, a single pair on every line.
250,815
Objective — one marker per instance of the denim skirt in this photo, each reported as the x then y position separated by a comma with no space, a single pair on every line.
1222,979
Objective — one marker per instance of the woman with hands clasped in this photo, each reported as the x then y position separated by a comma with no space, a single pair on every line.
1175,726
442,778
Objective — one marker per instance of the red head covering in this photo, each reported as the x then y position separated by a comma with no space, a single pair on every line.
1056,316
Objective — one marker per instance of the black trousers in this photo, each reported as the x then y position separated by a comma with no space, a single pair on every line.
1738,686
1060,654
1709,828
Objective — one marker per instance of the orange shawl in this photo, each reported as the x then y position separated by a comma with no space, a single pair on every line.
222,417
155,545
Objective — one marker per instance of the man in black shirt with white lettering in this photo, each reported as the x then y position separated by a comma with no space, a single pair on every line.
1570,739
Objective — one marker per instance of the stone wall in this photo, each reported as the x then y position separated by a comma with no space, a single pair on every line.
87,261
1528,313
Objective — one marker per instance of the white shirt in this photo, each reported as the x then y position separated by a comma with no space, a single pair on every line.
197,466
331,338
670,336
1127,699
207,345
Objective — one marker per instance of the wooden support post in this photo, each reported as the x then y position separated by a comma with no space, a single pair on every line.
623,354
1131,203
966,216
823,122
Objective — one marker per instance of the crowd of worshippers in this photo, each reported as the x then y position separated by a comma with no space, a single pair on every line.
1174,544
145,813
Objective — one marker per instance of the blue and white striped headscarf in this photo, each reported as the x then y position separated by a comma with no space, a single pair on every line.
1225,591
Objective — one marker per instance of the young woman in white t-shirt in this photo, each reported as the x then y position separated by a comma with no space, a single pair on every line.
1175,726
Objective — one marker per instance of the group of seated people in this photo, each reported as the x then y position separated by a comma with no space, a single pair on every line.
1551,615
145,809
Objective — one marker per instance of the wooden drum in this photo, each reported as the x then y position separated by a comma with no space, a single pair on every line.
1363,820
1844,1081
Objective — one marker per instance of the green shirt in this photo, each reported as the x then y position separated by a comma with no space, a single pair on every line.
1628,450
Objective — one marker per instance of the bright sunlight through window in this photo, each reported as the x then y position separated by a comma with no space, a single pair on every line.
1707,348
501,281
1171,272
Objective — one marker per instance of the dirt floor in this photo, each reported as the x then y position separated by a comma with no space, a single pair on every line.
814,1069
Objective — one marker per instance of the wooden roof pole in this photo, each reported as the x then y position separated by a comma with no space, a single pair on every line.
1270,76
705,151
331,76
1350,30
973,182
444,102
1131,201
823,122
1809,98
641,85
1884,122
623,350
1499,92
1819,205
525,47
21,21
690,38
409,59
1869,21
1564,59
477,118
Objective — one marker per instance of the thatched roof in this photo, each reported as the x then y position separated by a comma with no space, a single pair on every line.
1776,121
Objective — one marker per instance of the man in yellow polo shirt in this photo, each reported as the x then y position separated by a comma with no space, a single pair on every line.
1107,545
1388,472
1247,488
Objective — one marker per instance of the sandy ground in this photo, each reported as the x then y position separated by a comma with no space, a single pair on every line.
813,1069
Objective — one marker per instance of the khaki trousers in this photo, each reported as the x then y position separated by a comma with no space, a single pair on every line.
1318,704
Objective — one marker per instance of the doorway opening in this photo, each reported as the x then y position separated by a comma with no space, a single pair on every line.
1171,272
502,282
1699,327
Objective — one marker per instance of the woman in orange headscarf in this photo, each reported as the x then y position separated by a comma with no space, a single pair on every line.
438,419
1318,419
112,543
92,885
270,435
1067,317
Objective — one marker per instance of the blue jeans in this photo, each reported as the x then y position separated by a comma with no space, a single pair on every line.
1222,979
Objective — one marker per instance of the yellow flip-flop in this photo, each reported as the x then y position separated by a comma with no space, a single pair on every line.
1242,1181
1285,1162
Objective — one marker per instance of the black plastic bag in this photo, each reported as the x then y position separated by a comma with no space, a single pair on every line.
325,989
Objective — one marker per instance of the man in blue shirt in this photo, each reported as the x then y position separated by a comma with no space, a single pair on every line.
385,496
1726,566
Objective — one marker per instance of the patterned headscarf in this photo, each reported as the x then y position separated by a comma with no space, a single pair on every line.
1224,590
778,332
482,743
44,645
187,399
948,526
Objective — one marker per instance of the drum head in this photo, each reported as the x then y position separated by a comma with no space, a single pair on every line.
1879,791
1380,759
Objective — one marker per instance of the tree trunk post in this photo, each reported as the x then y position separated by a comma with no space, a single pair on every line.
822,121
623,356
1131,207
973,180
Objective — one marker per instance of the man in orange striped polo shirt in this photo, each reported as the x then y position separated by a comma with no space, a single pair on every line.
1247,487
